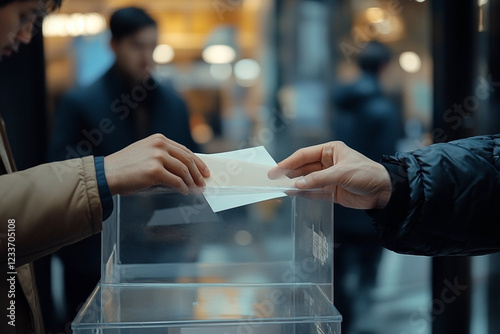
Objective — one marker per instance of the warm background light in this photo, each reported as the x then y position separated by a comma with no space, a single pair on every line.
410,62
163,54
202,133
219,54
375,14
61,25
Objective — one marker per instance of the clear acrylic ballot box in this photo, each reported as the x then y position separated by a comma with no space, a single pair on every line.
171,265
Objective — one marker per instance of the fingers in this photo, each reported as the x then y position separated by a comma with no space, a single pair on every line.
303,161
171,180
182,162
200,165
319,179
154,161
277,172
303,170
301,157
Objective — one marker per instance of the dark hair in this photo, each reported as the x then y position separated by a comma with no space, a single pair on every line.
50,4
127,21
373,57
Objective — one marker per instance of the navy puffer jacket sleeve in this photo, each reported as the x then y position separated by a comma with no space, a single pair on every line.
445,200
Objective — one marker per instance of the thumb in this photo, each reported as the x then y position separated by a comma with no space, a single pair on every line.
319,179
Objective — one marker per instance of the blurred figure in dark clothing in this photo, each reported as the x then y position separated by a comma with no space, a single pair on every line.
126,104
366,120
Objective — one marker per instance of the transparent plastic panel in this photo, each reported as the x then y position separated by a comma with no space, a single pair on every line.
172,265
215,308
173,238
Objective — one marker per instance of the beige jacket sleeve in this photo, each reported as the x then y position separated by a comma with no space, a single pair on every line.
53,205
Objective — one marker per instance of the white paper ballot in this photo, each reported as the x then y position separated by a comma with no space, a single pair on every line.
242,169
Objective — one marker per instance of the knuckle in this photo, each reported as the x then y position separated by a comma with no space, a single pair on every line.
178,183
301,153
190,161
157,140
158,155
338,143
301,150
184,171
158,136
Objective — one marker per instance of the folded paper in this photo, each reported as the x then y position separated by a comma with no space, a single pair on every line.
244,171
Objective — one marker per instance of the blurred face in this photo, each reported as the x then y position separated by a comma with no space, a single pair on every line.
16,25
134,53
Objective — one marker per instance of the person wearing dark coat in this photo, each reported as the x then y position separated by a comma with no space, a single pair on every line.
439,200
126,104
365,118
104,117
445,199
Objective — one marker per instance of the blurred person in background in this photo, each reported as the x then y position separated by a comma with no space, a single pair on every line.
124,105
56,204
366,120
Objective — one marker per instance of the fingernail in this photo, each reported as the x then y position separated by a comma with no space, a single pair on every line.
301,182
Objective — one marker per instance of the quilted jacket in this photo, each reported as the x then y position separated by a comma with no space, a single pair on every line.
445,200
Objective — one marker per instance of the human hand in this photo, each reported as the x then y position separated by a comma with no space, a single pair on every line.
154,161
357,181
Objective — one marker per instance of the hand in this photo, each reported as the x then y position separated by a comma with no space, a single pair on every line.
357,181
154,161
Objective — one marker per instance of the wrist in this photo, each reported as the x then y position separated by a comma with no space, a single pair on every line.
384,194
396,209
109,176
103,188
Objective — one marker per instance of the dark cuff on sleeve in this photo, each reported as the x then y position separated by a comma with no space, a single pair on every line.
396,209
102,185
